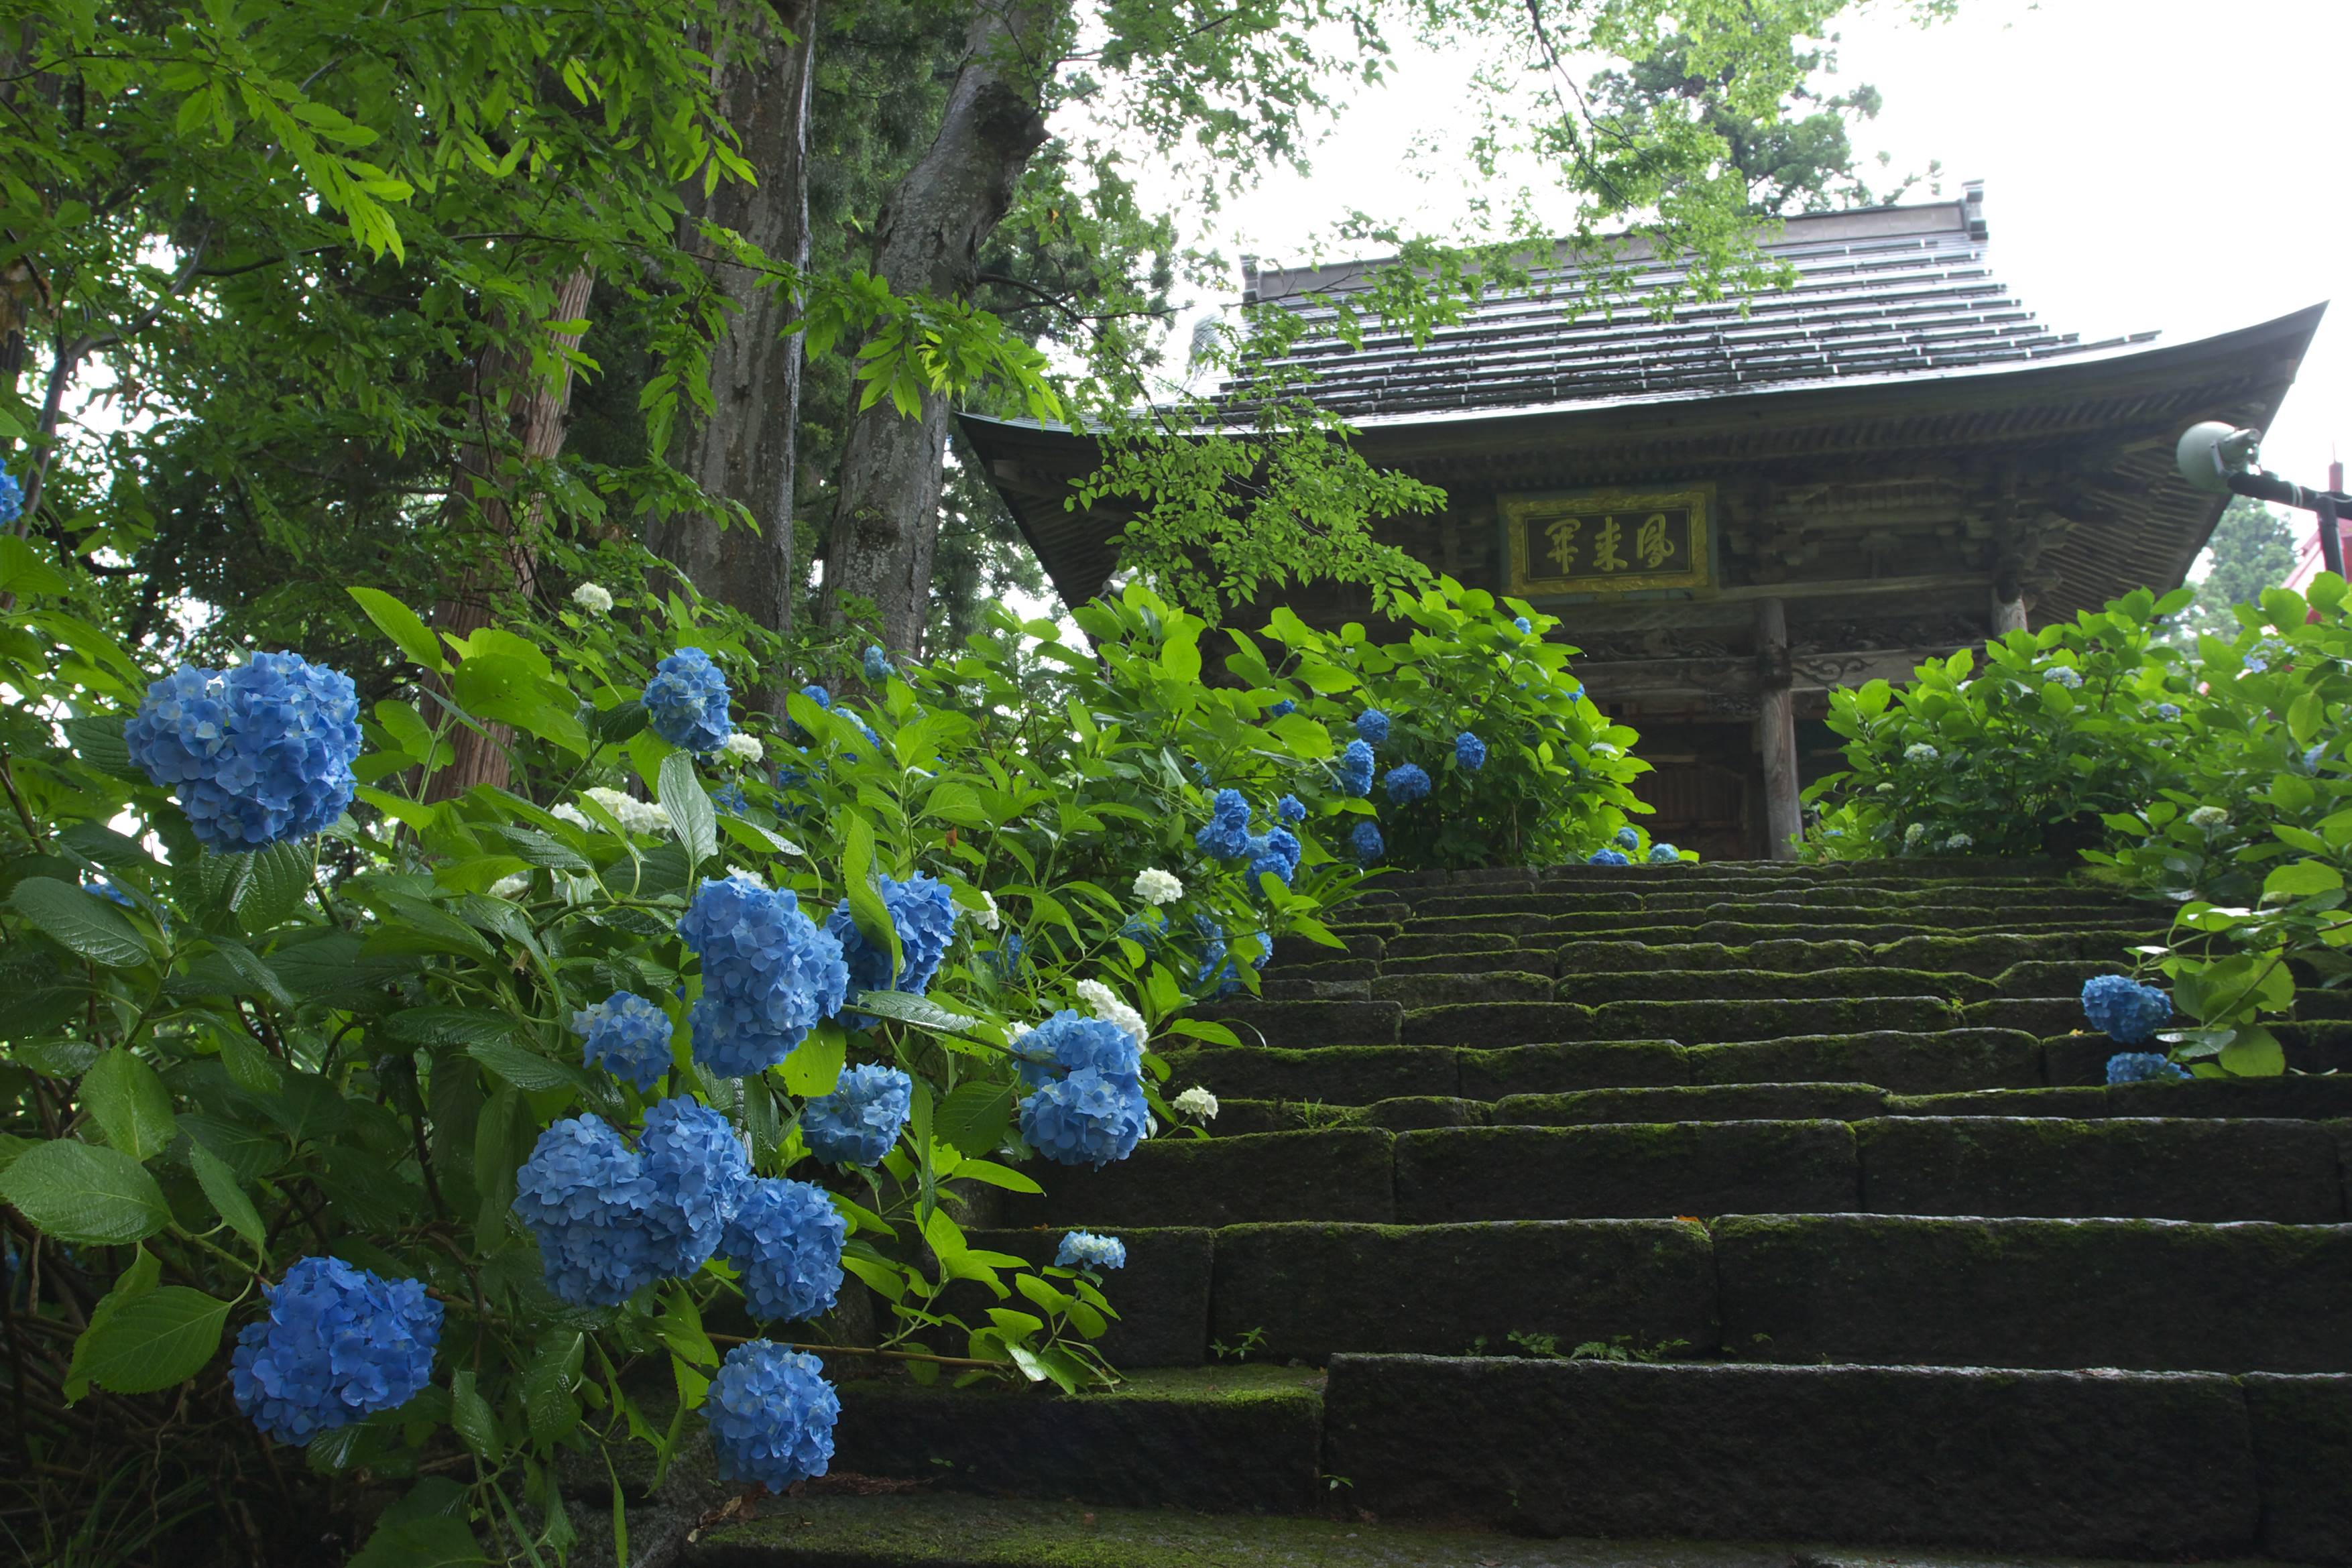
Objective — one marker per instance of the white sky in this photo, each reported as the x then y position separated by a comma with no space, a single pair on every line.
2174,164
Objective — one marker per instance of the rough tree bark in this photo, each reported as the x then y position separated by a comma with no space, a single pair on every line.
521,416
744,452
887,512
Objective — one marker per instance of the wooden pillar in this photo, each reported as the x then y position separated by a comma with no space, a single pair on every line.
1777,722
2007,614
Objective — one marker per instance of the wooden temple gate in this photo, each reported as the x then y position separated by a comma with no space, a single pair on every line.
1738,510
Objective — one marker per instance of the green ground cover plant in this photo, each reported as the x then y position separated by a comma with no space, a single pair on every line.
2208,771
379,1137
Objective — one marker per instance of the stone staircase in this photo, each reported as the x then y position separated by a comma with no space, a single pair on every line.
1734,1203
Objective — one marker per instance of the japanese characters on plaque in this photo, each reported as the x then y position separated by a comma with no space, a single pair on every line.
1606,542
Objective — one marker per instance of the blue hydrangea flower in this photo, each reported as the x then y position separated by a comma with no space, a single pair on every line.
1522,622
1663,855
1627,838
818,695
1218,965
1608,857
1225,835
878,667
12,499
1365,841
105,887
1070,1041
771,1415
769,974
699,1173
2143,1066
730,800
1356,769
1277,851
1283,707
2167,711
924,912
257,755
1469,752
860,1121
1372,725
785,1239
1290,809
2124,1010
2065,676
1406,783
340,1343
789,779
1085,1249
584,1194
686,702
628,1037
1090,1117
1145,929
1009,957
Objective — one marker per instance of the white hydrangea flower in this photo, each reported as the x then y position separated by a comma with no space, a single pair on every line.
1196,1101
1959,842
568,813
1915,833
1156,886
2208,817
987,918
753,877
1104,1004
634,816
1921,751
512,886
1886,789
593,599
743,747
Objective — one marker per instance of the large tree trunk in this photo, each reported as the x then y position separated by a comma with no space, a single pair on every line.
886,518
528,412
744,450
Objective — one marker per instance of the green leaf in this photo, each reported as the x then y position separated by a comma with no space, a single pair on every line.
865,906
226,1195
2254,1053
470,1414
994,1174
24,573
96,739
399,622
82,922
815,1066
129,1102
691,817
908,1008
81,1193
434,1541
525,1068
975,1116
280,879
153,1341
2301,879
146,1271
1180,657
1305,738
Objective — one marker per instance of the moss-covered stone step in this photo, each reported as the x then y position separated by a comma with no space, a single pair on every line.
1692,1102
2311,1048
1735,932
1304,1291
1627,984
2130,1167
830,1525
1920,1062
1535,1023
1537,960
1235,1439
1852,895
2140,1168
2148,1294
1984,955
2008,1460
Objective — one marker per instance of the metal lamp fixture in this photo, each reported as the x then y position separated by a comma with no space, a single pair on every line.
2224,460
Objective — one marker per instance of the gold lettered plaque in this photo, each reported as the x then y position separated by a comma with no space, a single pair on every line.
1607,541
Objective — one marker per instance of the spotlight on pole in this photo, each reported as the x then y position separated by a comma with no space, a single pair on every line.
2224,460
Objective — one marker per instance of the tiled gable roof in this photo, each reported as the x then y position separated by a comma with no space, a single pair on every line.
1882,291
